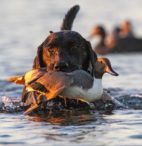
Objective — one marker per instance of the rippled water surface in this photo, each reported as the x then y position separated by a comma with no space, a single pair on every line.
24,25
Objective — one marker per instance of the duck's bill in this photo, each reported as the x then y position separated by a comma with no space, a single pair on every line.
111,71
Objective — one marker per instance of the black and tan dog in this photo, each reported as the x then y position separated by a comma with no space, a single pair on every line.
65,50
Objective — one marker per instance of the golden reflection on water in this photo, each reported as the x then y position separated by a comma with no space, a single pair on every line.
65,118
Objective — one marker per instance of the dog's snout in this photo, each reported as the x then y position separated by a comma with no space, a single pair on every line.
61,66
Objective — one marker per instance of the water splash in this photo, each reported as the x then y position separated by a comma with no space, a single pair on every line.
123,99
10,104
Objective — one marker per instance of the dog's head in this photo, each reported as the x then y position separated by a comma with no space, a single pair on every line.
64,51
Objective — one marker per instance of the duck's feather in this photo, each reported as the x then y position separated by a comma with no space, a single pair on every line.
33,75
81,79
38,87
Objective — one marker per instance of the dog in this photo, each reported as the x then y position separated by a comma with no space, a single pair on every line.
65,50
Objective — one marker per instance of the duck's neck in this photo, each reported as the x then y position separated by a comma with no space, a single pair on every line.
96,91
97,81
97,85
98,75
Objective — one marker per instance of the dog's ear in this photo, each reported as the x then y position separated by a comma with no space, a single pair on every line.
38,61
92,57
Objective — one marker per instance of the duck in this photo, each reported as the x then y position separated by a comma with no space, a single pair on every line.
105,43
77,84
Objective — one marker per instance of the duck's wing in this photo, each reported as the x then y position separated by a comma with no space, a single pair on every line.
33,75
54,93
82,79
50,83
37,86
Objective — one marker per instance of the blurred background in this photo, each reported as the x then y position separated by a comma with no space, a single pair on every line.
25,24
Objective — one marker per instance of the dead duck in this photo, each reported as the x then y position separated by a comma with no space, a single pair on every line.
78,84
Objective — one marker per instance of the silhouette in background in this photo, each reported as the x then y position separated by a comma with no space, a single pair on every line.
106,42
121,39
126,29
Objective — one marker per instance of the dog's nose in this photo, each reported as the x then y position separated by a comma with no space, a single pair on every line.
61,66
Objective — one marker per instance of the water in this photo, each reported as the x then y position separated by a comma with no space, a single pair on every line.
23,26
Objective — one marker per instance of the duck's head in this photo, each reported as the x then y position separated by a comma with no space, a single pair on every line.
102,66
98,30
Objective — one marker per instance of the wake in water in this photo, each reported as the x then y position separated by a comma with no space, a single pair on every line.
10,104
131,98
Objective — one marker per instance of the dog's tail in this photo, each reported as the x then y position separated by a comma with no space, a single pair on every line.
69,18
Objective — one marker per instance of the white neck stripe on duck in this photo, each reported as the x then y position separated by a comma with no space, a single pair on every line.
97,89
